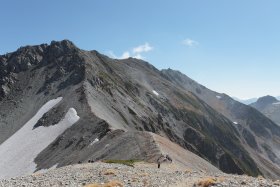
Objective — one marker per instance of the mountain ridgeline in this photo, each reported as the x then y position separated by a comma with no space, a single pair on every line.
122,105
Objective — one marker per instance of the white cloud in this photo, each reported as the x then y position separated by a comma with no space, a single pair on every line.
138,56
190,43
136,51
125,55
112,54
142,48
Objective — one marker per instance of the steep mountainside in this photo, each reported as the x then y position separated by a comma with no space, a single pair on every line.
94,107
269,106
258,134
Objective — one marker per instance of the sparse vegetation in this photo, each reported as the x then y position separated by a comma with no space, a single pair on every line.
124,162
260,177
108,184
207,182
188,171
276,183
143,174
134,179
109,172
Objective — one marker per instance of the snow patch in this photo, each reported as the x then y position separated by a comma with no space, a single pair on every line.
17,153
154,92
218,96
94,141
278,103
235,122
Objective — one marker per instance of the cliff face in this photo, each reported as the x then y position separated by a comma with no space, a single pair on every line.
119,103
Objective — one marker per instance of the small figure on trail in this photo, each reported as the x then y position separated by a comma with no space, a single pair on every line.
163,158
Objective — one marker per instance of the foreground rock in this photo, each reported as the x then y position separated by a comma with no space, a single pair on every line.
142,174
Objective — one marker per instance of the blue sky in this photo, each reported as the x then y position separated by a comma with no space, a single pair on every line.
230,46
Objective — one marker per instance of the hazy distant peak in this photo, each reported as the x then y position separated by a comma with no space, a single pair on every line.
267,100
246,101
263,102
269,106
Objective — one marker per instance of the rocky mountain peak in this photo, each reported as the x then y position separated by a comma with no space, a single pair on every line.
267,100
63,44
58,48
269,106
263,102
63,57
27,56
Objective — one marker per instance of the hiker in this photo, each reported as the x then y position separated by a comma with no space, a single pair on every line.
163,158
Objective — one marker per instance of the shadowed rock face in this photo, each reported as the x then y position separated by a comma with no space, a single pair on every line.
119,99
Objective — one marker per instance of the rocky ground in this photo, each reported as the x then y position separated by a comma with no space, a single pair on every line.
142,174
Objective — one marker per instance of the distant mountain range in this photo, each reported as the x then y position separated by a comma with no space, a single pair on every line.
61,105
269,106
249,101
246,101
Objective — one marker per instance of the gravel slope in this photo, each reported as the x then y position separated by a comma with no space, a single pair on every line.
142,174
83,174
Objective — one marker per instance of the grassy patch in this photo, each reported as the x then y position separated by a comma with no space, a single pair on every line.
124,162
207,182
108,184
188,171
110,172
